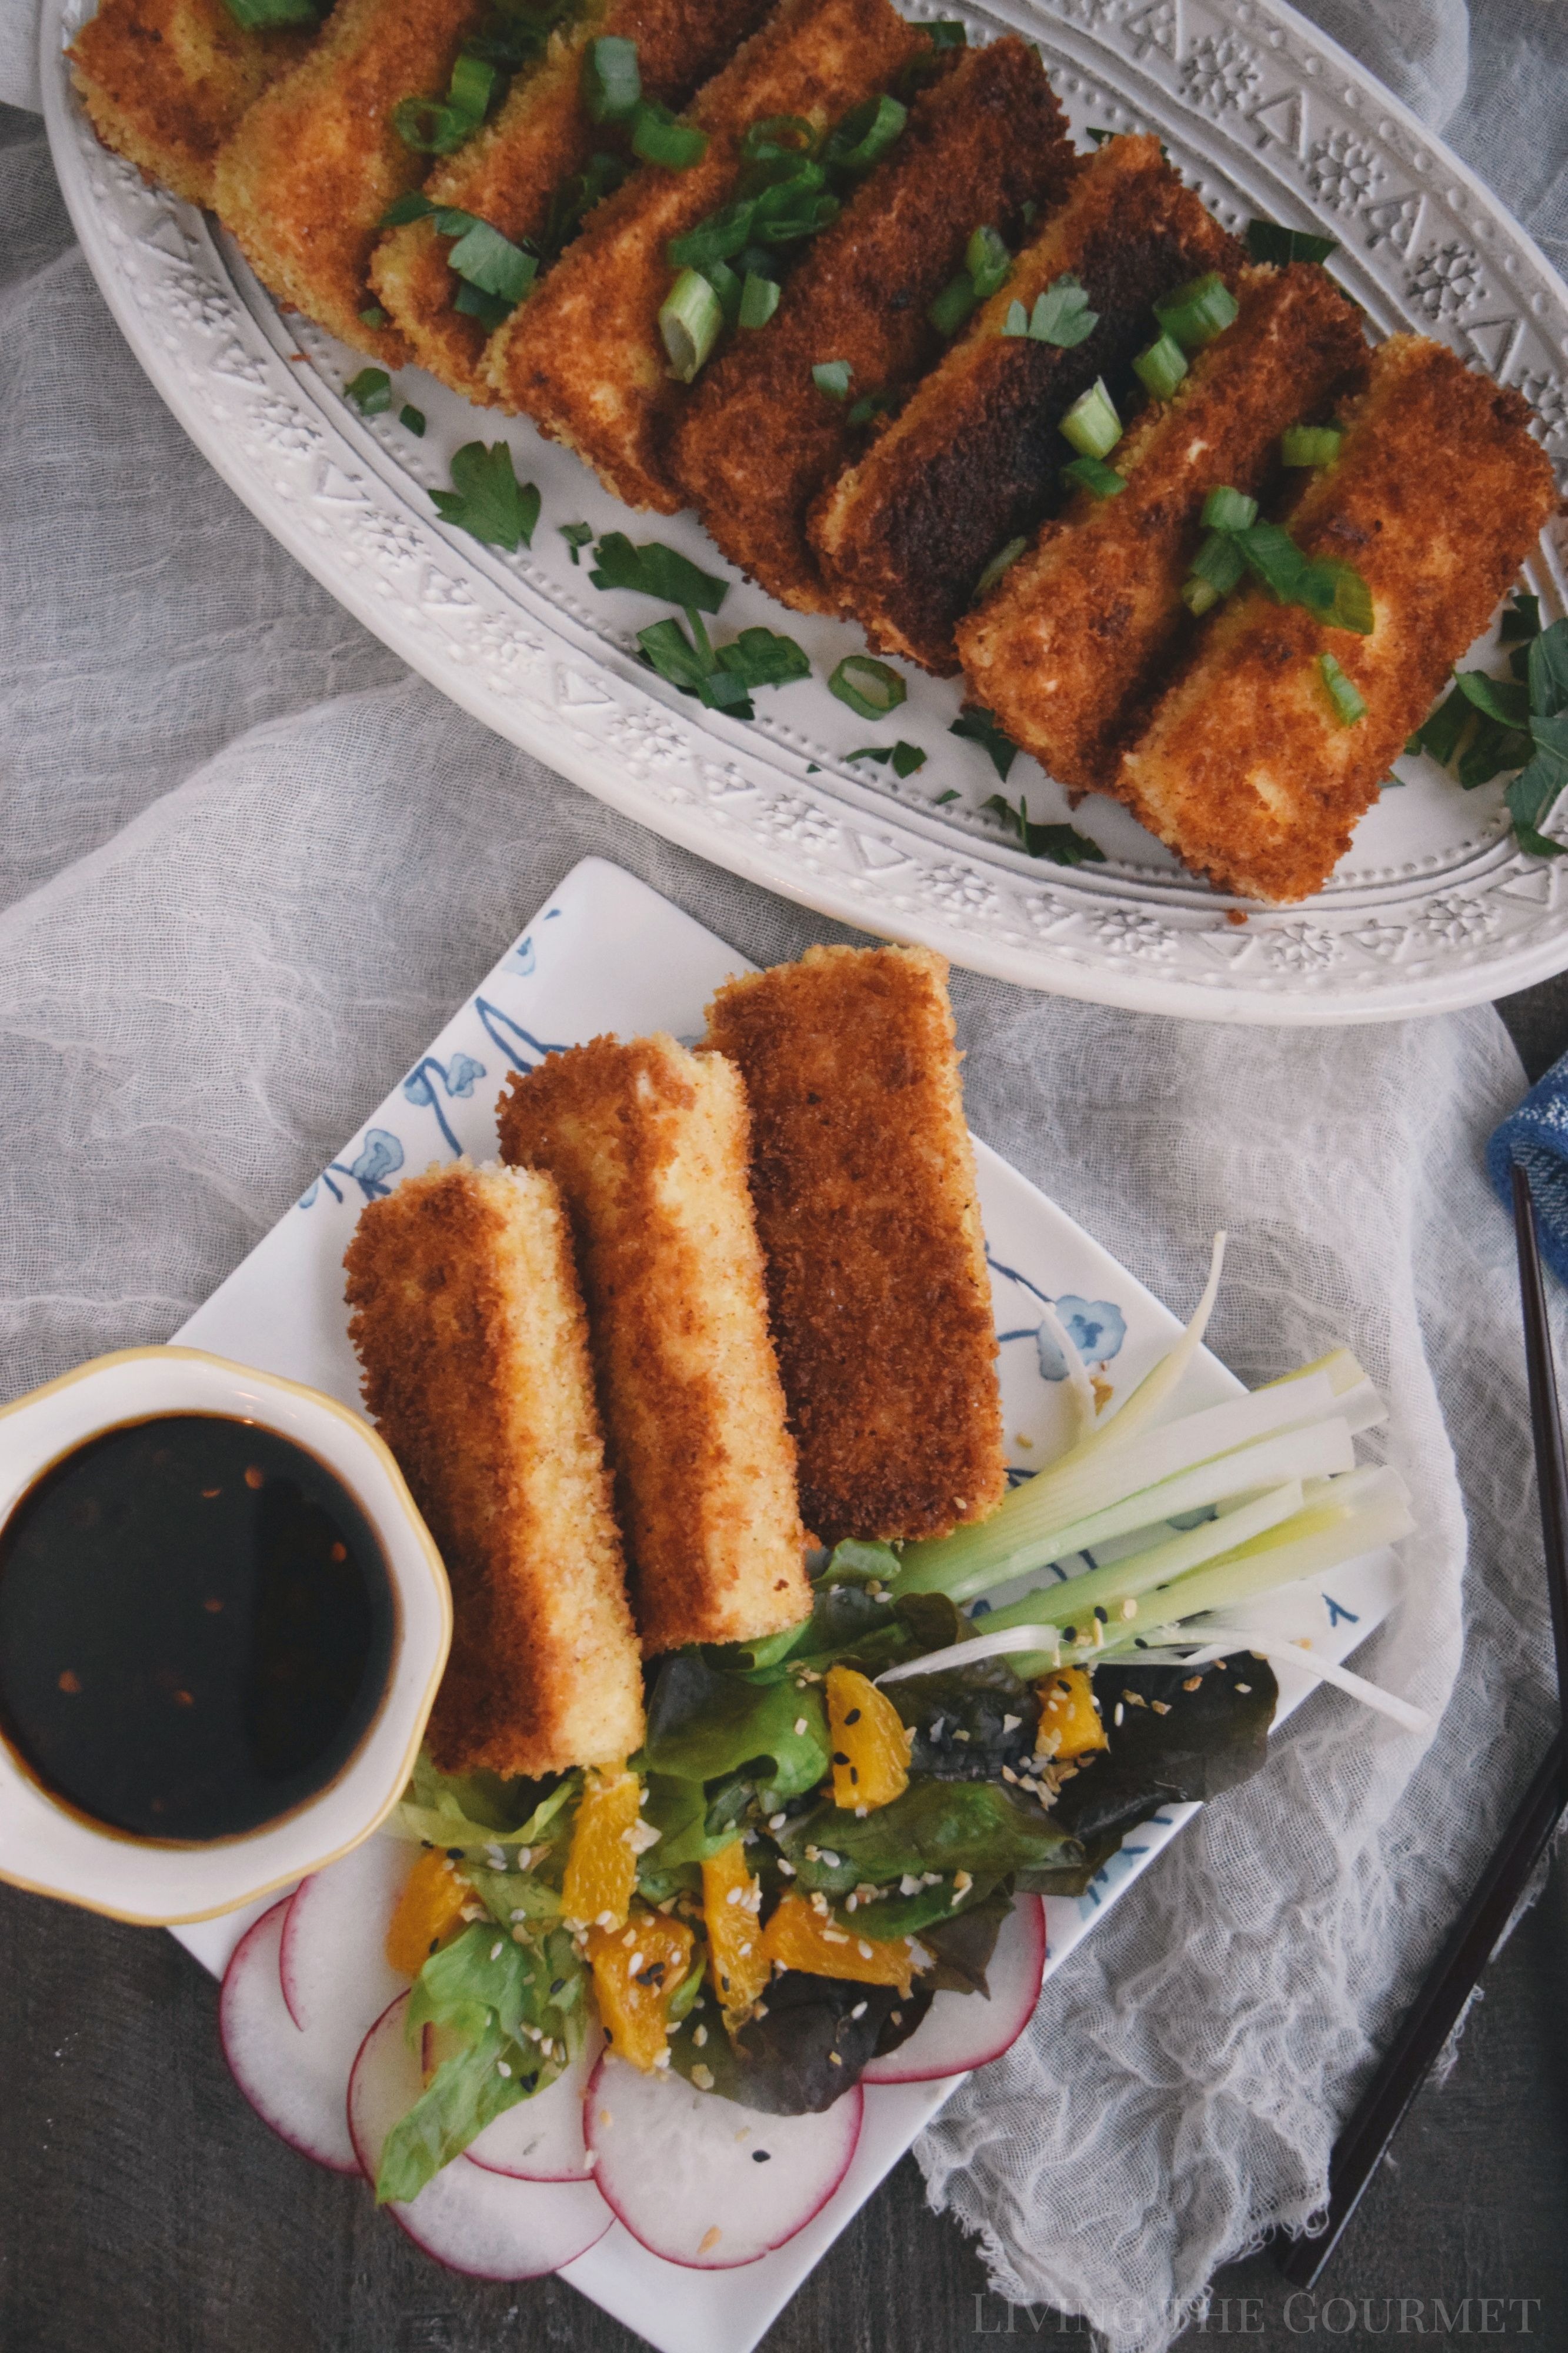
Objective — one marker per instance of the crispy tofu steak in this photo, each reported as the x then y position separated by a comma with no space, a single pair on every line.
585,356
1069,645
649,1146
165,82
1248,770
304,182
757,440
469,1325
973,459
863,1177
517,172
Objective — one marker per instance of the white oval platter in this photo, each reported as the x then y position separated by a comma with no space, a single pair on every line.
1434,908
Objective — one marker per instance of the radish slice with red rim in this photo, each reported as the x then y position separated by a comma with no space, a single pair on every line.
699,2180
961,2030
296,2083
333,1963
542,2138
469,2218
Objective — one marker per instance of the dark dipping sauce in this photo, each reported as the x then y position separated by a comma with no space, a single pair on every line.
196,1628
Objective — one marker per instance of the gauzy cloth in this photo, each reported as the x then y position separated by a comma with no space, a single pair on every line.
1536,1135
248,865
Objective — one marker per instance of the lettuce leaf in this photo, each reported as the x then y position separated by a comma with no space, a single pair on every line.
1210,1739
476,1811
811,2043
705,1725
946,1826
968,1722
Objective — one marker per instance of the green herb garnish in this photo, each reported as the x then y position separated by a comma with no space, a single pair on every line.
721,677
1198,311
1091,424
266,16
576,535
832,377
1061,316
1161,366
689,322
978,725
1063,845
413,419
653,570
371,391
870,688
1347,698
1494,724
1310,445
487,500
1268,241
611,80
1006,555
903,758
1092,474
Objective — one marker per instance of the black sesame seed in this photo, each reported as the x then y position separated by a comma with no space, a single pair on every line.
1070,1633
853,1773
555,1985
839,1757
853,1717
1101,1615
760,2156
454,1854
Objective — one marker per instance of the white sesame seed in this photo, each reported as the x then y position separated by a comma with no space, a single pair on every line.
1011,1722
858,2011
863,1948
700,2036
800,1727
777,1822
1117,1718
1242,1687
703,2078
495,1949
634,1965
501,2067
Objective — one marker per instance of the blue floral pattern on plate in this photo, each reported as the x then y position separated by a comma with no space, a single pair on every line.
1097,1327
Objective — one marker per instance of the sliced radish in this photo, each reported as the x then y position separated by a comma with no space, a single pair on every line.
296,2083
703,2181
542,2138
334,1959
469,2218
961,2031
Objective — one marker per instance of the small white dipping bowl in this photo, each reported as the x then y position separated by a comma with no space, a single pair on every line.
52,1851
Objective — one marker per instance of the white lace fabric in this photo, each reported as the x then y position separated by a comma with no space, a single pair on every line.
248,865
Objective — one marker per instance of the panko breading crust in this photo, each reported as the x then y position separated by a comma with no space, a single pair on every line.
648,1145
1076,635
469,1326
973,459
583,356
863,1178
509,172
1246,769
166,81
304,182
757,440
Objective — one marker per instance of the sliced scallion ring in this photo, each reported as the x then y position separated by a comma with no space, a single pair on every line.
1343,693
1004,558
1219,561
689,322
1091,424
1198,311
1229,509
612,79
657,138
870,688
472,87
832,377
953,304
1161,367
1092,474
759,299
1310,445
865,133
987,260
1199,595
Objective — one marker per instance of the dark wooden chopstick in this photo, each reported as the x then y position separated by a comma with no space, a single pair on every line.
1473,1938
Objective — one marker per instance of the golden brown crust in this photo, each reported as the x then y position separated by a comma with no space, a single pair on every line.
166,81
1246,769
757,440
973,459
304,182
469,1325
583,356
863,1178
648,1145
541,137
1069,645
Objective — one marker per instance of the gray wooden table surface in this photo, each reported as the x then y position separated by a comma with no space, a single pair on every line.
143,2209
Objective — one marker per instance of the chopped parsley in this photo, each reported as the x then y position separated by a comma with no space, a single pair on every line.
487,500
1061,315
655,570
721,677
1063,845
1268,241
413,419
1494,724
978,725
578,536
902,758
371,391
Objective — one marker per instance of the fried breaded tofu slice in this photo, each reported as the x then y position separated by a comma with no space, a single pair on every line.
649,1146
469,1325
304,182
583,356
165,82
509,172
973,459
757,440
1247,768
1068,646
863,1177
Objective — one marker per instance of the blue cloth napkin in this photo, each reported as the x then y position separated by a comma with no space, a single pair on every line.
1536,1136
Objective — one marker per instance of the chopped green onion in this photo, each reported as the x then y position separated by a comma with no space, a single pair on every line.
373,316
576,535
472,86
264,15
371,391
1229,509
1161,367
778,138
1092,474
865,135
612,79
870,688
953,304
759,299
832,377
491,262
1343,694
943,798
943,33
987,260
728,289
657,138
1096,137
870,405
1198,311
1199,595
1219,561
1091,424
1004,558
1267,241
412,418
1310,445
690,321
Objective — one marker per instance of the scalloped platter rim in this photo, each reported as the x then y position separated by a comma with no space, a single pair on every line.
1434,908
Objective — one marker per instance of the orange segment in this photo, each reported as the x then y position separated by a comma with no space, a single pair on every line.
797,1937
602,1867
870,1749
636,1971
429,1912
1070,1720
732,1900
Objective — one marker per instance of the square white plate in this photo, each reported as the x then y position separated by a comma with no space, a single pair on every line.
607,953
